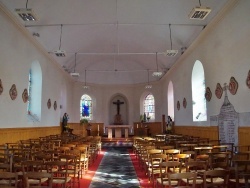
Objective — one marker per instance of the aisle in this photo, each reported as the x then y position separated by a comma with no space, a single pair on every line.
115,170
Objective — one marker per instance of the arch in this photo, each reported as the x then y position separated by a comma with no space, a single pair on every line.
198,92
35,90
123,109
171,100
147,104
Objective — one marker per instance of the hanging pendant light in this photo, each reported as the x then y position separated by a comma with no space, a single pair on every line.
157,72
85,86
148,86
75,74
60,53
171,53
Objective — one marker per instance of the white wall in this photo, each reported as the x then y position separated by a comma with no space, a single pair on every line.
224,52
17,53
103,94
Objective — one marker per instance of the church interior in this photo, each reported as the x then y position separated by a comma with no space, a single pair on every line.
146,82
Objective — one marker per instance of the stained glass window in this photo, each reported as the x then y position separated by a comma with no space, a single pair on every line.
86,107
149,107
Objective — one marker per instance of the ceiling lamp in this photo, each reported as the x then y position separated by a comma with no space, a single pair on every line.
199,13
148,86
85,86
75,74
157,73
26,14
170,53
60,53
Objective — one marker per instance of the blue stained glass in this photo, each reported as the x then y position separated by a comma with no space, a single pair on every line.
85,109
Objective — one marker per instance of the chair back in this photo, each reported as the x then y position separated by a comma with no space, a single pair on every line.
188,176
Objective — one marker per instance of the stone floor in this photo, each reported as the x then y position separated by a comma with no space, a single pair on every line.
116,169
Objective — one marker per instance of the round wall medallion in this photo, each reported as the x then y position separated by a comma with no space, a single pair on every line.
233,86
218,91
55,105
13,92
49,104
25,95
178,105
248,80
184,103
1,87
208,94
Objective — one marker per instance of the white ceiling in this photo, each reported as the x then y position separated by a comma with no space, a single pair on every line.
115,41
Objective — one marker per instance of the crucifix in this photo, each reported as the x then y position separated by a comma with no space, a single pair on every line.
118,103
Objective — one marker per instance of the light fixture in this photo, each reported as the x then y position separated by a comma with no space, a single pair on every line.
199,13
60,53
75,74
157,72
27,14
148,86
171,53
85,86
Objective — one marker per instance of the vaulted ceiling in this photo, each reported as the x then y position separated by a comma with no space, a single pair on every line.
115,41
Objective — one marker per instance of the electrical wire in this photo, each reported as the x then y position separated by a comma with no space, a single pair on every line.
60,38
170,35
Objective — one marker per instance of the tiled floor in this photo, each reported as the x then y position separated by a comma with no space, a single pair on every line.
116,169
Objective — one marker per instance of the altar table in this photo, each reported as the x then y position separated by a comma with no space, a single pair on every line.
118,130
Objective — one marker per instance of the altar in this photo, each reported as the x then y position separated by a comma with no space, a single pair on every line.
118,130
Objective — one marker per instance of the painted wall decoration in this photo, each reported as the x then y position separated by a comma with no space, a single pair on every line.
49,104
248,80
178,105
13,92
233,86
25,95
1,87
208,94
55,105
218,91
184,103
227,121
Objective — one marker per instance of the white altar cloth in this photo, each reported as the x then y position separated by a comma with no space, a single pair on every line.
118,130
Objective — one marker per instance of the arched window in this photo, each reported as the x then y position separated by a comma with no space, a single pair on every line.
171,100
86,107
149,106
35,91
29,93
198,93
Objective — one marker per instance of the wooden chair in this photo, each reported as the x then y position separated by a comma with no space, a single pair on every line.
171,153
219,160
216,178
196,167
84,157
73,167
8,179
179,177
182,157
164,170
38,177
239,172
154,165
60,171
147,159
